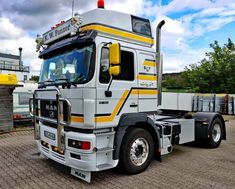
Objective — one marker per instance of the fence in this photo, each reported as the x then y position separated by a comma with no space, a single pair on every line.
222,103
7,65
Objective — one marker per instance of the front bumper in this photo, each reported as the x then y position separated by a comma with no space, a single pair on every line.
76,158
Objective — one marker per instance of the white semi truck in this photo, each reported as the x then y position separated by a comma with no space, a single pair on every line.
98,97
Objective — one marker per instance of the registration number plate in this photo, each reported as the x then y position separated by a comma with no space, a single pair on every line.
49,135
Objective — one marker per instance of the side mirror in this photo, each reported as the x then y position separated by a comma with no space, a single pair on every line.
114,64
114,70
114,54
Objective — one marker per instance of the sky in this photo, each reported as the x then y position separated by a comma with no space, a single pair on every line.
191,25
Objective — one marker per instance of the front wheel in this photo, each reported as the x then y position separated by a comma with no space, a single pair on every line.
136,151
215,133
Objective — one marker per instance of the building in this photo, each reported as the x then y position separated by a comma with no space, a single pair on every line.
13,64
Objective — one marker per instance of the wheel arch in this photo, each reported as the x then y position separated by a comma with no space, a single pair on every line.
204,120
136,120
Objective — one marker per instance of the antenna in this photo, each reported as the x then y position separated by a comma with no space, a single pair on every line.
72,7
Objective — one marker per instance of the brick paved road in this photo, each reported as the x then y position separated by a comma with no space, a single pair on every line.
187,167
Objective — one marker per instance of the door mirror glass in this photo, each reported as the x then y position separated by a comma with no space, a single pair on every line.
114,54
114,70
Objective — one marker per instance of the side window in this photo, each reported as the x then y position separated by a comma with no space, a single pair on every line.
127,66
24,98
104,66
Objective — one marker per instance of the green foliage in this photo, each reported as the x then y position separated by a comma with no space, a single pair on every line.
34,78
216,72
174,81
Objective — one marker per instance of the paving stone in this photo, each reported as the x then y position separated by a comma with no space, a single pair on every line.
186,167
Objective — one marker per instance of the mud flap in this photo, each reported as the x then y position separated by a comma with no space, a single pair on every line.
84,175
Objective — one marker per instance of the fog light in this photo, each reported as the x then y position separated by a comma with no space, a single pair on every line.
83,145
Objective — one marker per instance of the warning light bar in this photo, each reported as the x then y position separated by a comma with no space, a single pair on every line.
57,25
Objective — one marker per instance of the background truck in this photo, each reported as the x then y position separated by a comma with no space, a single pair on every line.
21,96
98,97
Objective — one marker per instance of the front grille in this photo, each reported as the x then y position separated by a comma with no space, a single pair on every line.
46,123
49,109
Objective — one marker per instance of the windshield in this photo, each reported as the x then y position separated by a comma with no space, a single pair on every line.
71,66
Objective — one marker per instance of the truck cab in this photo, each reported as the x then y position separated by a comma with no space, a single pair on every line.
98,96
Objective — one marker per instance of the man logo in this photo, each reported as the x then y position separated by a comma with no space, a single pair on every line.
51,107
80,175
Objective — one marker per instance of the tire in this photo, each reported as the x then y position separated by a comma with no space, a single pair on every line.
136,151
215,133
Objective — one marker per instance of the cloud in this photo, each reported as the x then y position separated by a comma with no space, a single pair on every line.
175,62
194,21
21,20
35,66
9,30
13,37
126,6
38,15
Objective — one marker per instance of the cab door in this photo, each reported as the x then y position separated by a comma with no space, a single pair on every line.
147,81
122,97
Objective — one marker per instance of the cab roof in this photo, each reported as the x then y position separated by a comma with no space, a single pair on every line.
118,20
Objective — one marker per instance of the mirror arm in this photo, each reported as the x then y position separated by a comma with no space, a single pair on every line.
108,93
106,44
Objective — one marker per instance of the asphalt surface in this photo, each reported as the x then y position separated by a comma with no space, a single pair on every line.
186,167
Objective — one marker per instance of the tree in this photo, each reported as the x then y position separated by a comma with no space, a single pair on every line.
216,72
174,81
34,78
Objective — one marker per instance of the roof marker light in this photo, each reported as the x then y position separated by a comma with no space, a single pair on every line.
100,4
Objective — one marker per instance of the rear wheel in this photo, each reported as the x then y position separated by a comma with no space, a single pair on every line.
215,133
136,151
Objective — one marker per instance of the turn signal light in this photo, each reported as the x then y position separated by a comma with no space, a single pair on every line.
56,149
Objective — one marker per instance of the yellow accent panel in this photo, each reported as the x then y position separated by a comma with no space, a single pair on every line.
8,79
148,92
121,101
115,111
77,119
147,77
150,63
135,92
119,33
144,92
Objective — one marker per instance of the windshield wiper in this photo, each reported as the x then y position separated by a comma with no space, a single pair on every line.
78,78
68,83
43,83
47,81
62,79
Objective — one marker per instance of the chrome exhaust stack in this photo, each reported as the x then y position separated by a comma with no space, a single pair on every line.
159,59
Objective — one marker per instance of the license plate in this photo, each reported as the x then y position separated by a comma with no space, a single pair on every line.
49,135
